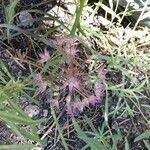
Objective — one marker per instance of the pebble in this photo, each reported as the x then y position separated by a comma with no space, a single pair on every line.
26,19
32,110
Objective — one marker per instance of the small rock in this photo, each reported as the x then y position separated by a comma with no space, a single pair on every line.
26,19
45,112
32,110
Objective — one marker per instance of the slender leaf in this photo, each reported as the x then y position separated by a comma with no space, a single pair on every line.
6,116
17,147
142,136
147,145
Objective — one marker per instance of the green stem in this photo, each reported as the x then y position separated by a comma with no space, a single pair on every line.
78,16
58,128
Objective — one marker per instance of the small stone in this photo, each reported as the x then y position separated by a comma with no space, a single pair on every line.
26,19
45,113
32,110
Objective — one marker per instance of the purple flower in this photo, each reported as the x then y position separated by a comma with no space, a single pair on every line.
69,109
85,102
61,40
68,99
72,83
79,105
39,83
99,89
44,56
37,77
66,44
54,103
71,51
92,100
41,87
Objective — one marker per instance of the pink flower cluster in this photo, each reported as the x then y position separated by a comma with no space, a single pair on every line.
66,45
80,105
73,83
92,99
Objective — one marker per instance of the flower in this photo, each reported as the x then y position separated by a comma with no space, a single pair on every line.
71,51
42,87
61,40
69,109
39,83
54,103
92,100
102,72
72,83
44,56
66,44
99,89
37,77
85,102
68,99
79,105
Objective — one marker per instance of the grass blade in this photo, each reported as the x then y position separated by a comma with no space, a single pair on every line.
17,147
142,136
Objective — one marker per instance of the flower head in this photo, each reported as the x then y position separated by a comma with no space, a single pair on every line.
54,103
62,40
66,44
41,87
69,109
92,100
71,51
99,89
44,56
79,105
85,102
39,83
72,83
37,77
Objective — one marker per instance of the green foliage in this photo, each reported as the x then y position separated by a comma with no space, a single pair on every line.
142,136
13,115
59,130
16,147
127,91
97,139
147,145
9,11
78,15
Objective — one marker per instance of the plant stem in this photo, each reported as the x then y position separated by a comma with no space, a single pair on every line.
78,12
59,130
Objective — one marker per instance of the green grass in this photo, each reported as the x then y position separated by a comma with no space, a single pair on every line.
130,93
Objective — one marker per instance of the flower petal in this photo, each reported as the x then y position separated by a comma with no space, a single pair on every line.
54,103
44,56
72,83
37,77
69,109
99,89
92,100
